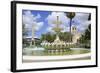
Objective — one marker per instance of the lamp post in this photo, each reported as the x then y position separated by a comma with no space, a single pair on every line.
70,15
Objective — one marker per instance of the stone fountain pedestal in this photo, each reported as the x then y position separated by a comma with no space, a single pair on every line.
57,46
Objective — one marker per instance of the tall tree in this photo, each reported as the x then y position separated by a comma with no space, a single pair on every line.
48,37
70,15
86,37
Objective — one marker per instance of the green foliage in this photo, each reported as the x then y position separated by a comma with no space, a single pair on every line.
86,37
38,42
70,15
25,43
48,37
64,36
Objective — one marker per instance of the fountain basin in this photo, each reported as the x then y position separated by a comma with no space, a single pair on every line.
53,52
33,51
74,54
56,58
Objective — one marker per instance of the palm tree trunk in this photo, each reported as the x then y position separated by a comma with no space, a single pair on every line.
70,30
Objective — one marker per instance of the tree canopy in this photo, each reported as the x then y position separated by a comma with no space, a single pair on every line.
86,37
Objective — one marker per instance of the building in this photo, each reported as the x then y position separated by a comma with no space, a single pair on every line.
76,34
28,40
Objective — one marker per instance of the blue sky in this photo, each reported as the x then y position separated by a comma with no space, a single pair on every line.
42,21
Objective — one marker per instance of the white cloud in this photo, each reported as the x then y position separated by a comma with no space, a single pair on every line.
49,29
29,19
53,17
80,20
81,17
38,16
38,25
65,29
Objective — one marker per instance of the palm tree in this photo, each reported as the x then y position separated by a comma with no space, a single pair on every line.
70,15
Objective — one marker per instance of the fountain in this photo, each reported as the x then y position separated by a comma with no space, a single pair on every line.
57,45
33,49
